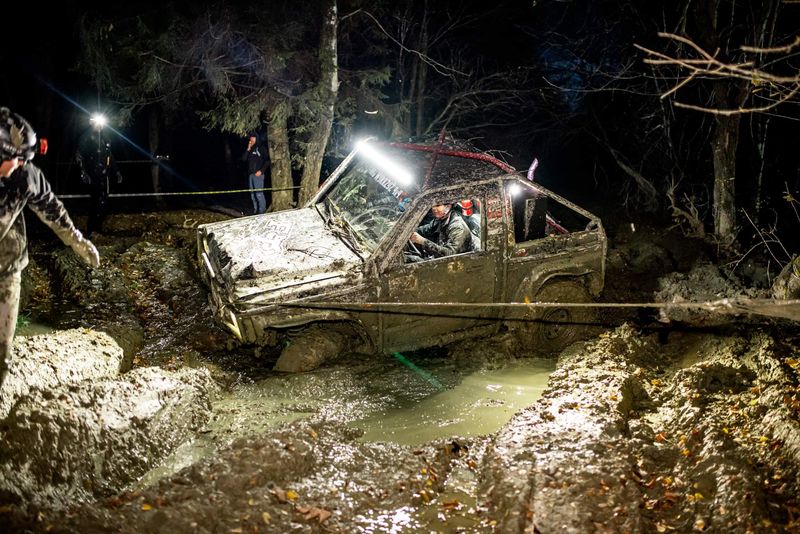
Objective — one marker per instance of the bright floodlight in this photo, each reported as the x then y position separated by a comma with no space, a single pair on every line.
392,169
98,120
514,189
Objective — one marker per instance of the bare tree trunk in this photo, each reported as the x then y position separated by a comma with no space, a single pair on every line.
761,148
325,97
153,137
420,125
278,141
724,142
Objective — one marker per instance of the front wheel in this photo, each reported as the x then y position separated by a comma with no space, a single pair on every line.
551,329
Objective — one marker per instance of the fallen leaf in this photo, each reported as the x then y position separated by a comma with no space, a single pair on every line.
451,505
312,512
266,518
146,507
291,495
661,436
792,362
279,494
656,382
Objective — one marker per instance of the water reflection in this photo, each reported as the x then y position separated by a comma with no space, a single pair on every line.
389,401
480,404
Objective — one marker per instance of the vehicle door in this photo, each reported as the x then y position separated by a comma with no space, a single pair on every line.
465,278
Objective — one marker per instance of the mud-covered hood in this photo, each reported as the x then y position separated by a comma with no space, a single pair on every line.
267,256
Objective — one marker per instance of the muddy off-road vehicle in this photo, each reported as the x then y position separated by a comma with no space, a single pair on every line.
336,275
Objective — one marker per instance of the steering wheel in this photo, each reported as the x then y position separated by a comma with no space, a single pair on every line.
383,211
414,248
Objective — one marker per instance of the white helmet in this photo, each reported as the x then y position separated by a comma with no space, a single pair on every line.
17,137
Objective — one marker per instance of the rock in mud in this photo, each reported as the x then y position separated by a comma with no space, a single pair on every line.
53,361
68,444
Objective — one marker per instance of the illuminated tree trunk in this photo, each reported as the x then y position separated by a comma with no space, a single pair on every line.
724,143
280,158
153,136
325,98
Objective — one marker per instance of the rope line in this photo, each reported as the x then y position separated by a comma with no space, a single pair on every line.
788,309
185,193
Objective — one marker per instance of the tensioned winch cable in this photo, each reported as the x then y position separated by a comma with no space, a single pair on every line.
787,309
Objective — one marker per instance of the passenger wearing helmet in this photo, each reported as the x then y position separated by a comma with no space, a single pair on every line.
21,184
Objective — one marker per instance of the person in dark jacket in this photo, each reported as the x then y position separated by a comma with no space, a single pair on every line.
97,165
21,184
446,234
257,165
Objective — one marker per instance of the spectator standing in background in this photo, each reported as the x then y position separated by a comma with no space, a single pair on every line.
257,165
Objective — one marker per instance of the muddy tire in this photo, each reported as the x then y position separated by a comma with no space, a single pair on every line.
551,329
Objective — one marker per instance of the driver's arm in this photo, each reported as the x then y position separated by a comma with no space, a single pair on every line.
458,237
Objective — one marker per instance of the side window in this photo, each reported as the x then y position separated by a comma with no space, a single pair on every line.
449,228
536,215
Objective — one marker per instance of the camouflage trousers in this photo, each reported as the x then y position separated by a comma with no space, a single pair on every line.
9,307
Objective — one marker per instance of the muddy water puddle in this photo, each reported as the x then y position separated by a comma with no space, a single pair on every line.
480,404
390,401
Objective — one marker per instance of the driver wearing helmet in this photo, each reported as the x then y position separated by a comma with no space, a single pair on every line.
21,184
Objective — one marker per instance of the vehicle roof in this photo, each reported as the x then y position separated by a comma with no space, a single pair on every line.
449,163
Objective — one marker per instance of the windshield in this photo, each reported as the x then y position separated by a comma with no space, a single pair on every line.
368,200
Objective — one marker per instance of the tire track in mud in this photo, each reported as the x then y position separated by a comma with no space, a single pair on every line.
697,433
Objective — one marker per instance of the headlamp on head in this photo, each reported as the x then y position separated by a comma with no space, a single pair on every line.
98,121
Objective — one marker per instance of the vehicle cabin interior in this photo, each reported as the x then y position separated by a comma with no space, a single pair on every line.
469,210
536,215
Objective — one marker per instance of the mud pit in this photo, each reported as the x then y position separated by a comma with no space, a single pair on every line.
645,427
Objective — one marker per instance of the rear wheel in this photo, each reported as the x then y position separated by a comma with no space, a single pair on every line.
551,329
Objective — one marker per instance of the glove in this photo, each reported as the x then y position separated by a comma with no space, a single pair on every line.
86,250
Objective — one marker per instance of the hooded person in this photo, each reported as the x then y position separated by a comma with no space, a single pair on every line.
257,161
23,183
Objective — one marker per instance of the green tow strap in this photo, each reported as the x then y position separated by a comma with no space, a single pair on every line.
421,372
